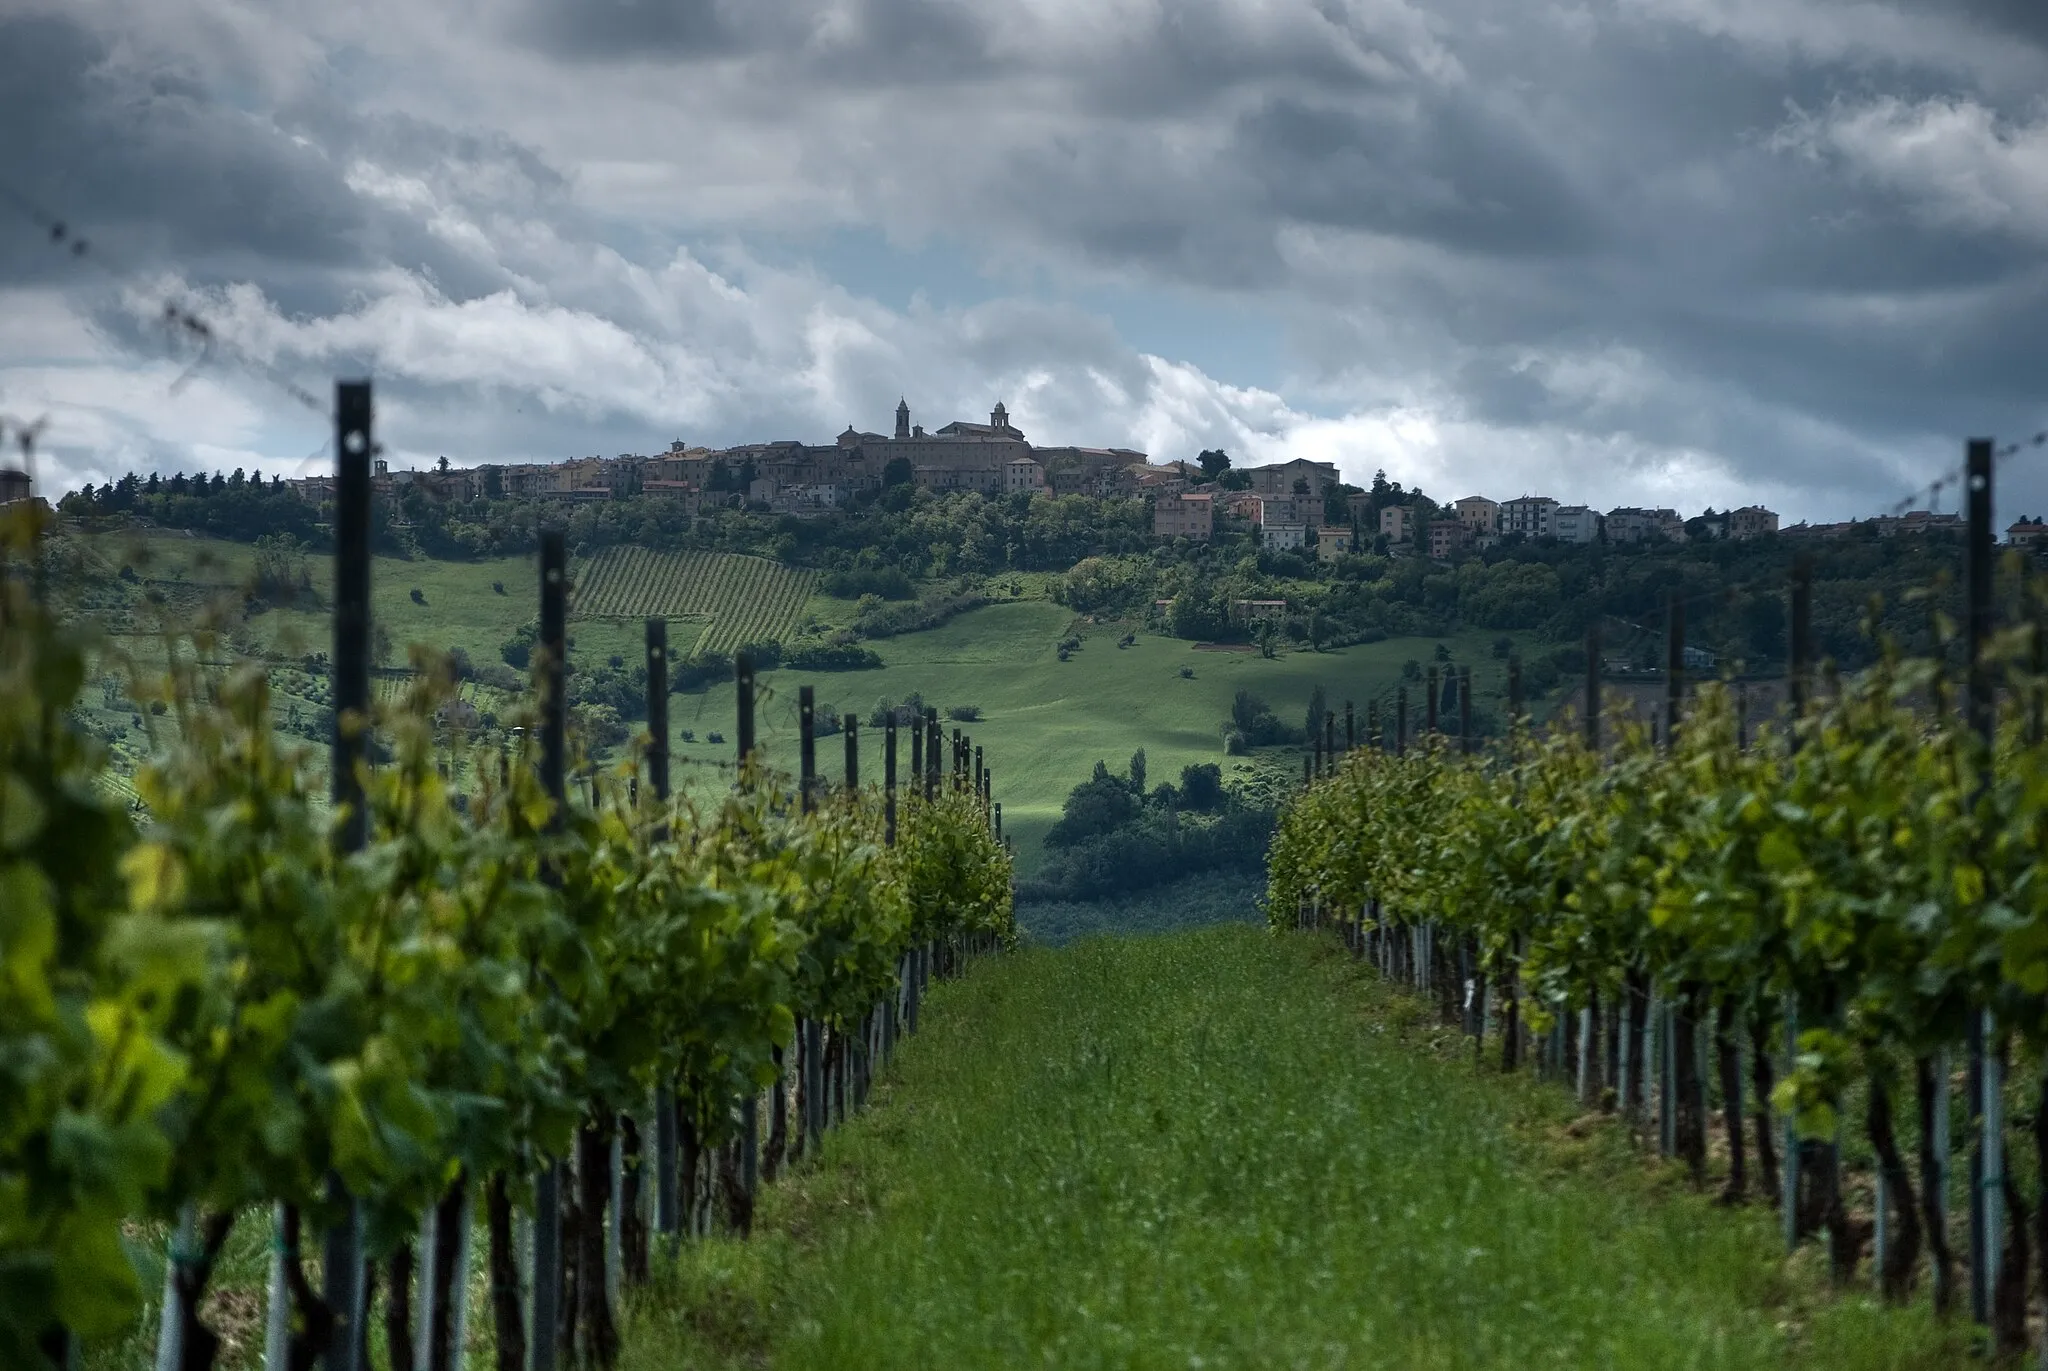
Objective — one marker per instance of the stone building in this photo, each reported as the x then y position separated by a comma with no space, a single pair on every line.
1188,515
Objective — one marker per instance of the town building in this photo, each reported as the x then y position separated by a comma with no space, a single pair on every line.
1251,611
1298,477
1305,510
2023,533
14,486
1481,515
1397,523
1447,536
1332,543
1575,524
1528,515
1917,521
1751,521
1187,515
688,492
1283,537
1631,525
1023,476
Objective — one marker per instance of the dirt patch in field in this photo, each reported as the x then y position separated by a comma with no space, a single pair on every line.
1226,647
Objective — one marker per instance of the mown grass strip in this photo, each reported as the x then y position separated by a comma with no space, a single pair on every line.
1224,1149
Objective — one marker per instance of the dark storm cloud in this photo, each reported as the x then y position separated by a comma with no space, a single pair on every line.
156,171
636,29
1674,220
2023,19
1457,175
860,43
147,158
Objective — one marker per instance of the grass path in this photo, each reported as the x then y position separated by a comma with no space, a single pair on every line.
1222,1149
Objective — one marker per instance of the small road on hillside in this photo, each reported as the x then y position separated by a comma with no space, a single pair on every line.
1226,1149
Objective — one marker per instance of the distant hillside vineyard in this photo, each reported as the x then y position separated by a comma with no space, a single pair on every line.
741,599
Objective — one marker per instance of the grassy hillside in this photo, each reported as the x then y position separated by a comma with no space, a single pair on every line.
1225,1149
1047,721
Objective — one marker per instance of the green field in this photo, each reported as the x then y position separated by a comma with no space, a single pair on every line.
1047,721
732,599
1225,1149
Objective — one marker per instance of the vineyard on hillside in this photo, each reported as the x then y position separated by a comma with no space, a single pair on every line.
746,599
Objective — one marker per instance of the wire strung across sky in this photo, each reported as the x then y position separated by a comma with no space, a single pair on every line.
180,319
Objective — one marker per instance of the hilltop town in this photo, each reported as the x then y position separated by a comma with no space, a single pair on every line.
806,479
1298,505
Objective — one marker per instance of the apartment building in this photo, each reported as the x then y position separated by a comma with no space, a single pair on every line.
1283,537
1575,524
1447,536
1529,515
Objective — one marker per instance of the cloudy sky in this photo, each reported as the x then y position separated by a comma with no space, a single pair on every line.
1688,252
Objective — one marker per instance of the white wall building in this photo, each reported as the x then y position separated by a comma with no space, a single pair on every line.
1529,516
1283,537
1575,524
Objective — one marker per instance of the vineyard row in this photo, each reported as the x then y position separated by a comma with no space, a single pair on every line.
1854,895
363,1014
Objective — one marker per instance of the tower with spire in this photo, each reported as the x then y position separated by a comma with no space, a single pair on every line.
902,418
999,417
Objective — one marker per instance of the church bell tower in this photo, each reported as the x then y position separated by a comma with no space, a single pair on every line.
902,418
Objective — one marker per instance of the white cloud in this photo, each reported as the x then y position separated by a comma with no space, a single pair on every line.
1493,274
1957,163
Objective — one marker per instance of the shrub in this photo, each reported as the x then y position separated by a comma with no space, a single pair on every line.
714,737
887,583
1187,673
910,710
914,617
831,657
964,714
689,735
499,677
517,650
498,586
599,725
419,597
699,672
1252,720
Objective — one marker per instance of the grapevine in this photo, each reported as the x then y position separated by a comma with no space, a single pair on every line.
1867,871
214,1010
